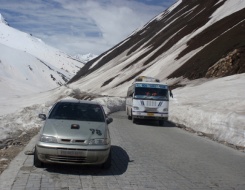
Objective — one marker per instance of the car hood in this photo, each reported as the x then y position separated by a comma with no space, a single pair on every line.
73,129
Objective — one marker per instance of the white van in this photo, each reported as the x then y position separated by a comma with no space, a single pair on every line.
147,98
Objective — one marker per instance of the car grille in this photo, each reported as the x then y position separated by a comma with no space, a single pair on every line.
72,141
66,159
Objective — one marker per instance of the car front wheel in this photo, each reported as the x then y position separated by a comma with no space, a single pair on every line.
107,163
36,161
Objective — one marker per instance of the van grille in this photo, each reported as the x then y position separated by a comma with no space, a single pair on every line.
150,103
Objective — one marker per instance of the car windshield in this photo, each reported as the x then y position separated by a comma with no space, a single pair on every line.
151,93
77,111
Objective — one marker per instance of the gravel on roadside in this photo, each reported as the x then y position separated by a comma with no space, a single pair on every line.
11,147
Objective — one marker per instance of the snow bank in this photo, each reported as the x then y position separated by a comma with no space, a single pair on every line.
111,104
21,121
215,107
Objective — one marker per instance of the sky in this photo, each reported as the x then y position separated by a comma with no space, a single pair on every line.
81,26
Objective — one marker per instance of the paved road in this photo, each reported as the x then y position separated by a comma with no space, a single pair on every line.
145,157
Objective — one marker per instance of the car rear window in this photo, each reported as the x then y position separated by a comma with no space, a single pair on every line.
77,111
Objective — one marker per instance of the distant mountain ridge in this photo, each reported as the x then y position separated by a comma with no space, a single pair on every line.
85,58
185,41
2,19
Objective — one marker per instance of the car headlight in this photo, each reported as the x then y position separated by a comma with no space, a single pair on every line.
48,139
98,141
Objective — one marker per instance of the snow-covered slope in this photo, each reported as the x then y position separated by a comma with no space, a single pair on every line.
36,47
28,65
21,73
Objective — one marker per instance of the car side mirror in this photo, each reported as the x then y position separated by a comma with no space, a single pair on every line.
109,120
42,116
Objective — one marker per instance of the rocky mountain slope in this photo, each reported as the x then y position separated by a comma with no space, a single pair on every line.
192,39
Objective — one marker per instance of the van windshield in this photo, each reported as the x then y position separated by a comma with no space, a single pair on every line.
151,93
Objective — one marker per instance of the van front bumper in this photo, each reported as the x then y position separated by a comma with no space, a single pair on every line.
147,115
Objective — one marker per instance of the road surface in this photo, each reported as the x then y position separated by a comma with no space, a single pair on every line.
145,157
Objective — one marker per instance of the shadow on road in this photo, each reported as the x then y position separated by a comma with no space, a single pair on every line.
155,123
119,165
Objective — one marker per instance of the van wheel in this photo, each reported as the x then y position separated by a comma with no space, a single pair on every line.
161,122
37,163
129,116
134,120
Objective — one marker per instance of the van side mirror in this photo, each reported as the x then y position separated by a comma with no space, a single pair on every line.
42,116
171,94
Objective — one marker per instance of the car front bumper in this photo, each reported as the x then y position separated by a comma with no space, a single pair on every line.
72,154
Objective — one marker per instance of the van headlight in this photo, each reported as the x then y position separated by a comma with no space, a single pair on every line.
48,139
136,108
98,141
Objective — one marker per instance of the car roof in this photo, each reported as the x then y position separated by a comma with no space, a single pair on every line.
78,101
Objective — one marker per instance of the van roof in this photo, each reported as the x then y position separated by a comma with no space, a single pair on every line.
146,79
143,82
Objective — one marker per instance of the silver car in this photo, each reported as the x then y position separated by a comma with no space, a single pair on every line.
74,132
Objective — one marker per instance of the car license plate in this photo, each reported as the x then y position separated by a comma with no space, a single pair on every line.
71,153
150,114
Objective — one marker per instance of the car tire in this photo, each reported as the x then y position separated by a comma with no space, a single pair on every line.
37,163
107,163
